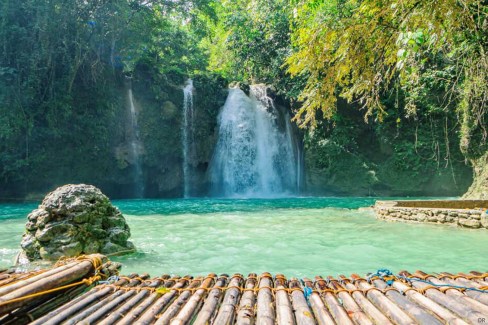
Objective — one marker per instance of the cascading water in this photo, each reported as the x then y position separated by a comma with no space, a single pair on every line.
294,143
255,154
188,138
135,145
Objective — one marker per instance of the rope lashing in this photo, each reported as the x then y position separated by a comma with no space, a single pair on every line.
383,274
110,280
88,282
432,285
96,262
389,278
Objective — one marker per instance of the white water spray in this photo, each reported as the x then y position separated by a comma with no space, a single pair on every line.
255,154
188,136
135,146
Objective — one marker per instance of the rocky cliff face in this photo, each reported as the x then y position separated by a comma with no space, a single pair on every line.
94,143
75,220
341,157
209,97
394,158
161,123
479,188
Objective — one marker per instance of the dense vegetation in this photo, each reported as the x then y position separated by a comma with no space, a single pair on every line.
416,70
63,71
392,96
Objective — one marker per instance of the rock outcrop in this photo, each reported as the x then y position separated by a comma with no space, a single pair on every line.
74,220
479,187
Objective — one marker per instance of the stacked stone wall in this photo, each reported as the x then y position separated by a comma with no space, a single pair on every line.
473,215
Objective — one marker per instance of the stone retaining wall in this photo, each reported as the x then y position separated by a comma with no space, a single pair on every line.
464,213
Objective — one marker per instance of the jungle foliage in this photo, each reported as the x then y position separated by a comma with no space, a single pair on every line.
410,76
408,64
62,71
361,50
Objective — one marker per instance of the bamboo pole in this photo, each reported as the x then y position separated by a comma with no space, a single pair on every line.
355,301
461,281
149,315
227,310
8,278
369,308
322,315
478,281
14,277
265,314
429,304
191,307
66,276
41,276
284,312
453,303
61,313
419,314
27,313
303,314
104,301
479,274
173,309
472,303
209,307
337,311
245,312
132,315
389,308
105,306
123,309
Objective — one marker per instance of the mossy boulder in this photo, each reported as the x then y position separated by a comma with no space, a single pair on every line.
75,220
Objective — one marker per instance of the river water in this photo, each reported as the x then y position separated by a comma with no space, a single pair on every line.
294,236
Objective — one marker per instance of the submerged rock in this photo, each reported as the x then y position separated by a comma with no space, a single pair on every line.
74,220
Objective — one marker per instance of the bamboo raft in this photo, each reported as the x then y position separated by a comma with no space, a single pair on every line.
87,291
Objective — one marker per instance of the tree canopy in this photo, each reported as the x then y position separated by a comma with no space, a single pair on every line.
364,50
61,61
420,63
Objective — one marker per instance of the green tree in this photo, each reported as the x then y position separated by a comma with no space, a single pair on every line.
251,41
361,50
62,65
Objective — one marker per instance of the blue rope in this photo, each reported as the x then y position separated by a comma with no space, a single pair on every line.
307,292
381,273
442,285
110,280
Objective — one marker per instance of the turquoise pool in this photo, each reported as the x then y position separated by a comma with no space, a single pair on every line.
295,236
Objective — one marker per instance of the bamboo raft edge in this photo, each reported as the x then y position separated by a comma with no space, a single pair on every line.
76,290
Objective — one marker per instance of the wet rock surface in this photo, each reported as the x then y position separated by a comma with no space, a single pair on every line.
74,220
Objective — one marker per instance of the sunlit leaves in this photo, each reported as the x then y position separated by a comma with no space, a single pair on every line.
359,49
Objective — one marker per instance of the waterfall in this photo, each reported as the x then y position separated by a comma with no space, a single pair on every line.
188,136
294,146
135,146
255,155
